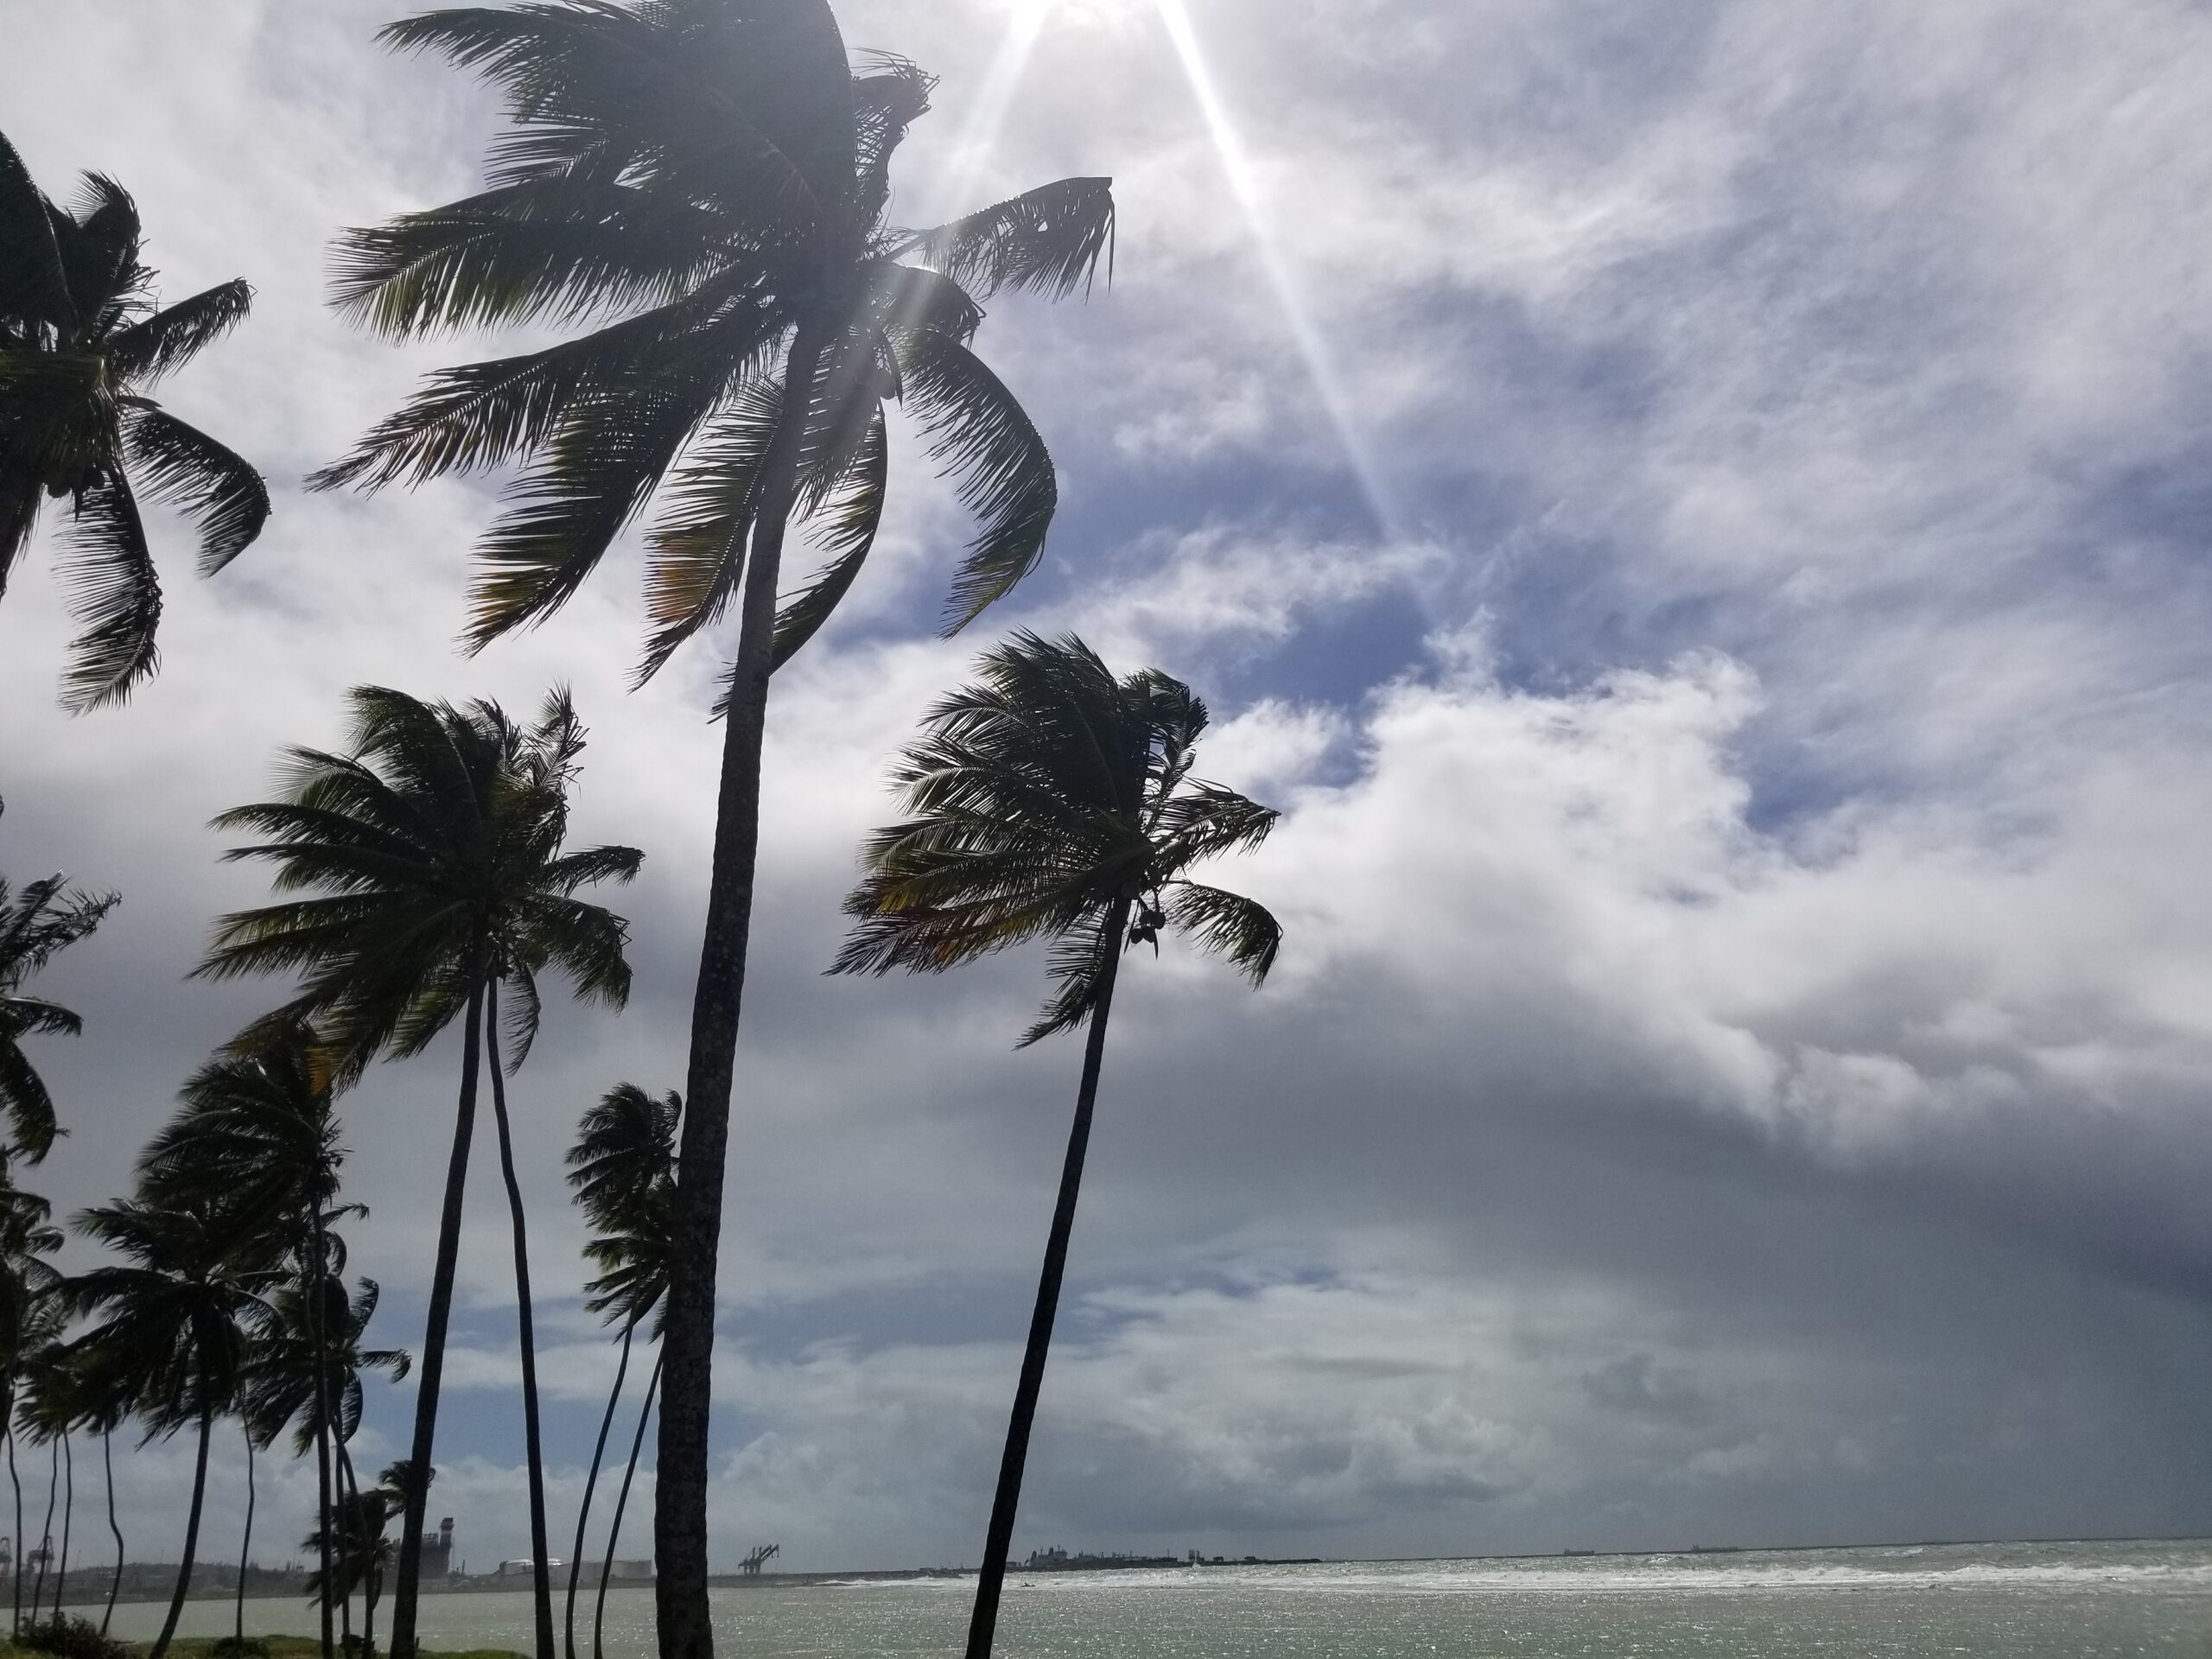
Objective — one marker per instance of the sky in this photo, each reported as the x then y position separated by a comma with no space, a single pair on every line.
1694,512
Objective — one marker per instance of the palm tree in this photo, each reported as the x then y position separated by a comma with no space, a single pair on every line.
307,1375
28,1318
362,1552
49,1403
82,342
256,1141
705,184
36,924
1051,801
435,852
623,1171
171,1346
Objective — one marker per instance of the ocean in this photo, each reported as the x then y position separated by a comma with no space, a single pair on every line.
2019,1601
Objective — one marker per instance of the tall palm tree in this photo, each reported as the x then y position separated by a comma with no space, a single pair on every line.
623,1171
82,342
171,1344
255,1139
1050,801
29,1316
435,852
36,924
704,184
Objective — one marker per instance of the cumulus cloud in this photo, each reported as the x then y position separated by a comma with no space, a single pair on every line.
1735,1067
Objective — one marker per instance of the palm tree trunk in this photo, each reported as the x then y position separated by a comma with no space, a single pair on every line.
246,1547
317,1308
115,1585
591,1480
688,1341
349,1499
621,1498
15,1481
191,1540
434,1337
982,1625
45,1532
541,1576
68,1509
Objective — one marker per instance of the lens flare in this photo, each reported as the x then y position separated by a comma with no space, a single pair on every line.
1297,316
986,111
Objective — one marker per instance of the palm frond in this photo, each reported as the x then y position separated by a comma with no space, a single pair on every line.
32,282
217,488
108,573
1049,239
696,550
999,466
847,523
1228,924
150,349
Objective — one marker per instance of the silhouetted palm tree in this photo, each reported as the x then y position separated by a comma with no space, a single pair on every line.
28,1318
706,184
435,852
255,1142
36,926
1051,801
307,1375
361,1553
623,1171
82,342
171,1345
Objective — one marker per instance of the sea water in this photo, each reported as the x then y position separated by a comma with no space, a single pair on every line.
2017,1601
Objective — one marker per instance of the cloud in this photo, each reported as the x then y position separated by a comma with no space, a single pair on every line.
1735,1068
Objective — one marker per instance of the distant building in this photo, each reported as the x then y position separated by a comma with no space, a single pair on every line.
437,1551
522,1565
631,1570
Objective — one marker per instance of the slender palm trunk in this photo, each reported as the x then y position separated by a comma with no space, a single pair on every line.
45,1532
68,1509
434,1337
317,1309
621,1498
372,1582
349,1499
191,1540
982,1625
541,1576
688,1342
15,1481
21,1547
245,1548
591,1480
115,1584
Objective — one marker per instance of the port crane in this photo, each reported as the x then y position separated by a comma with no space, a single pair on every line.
752,1564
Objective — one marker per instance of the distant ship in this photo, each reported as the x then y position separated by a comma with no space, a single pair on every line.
1577,1552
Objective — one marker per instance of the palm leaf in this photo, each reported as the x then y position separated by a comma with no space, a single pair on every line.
999,466
150,349
215,486
1049,239
108,575
32,284
847,521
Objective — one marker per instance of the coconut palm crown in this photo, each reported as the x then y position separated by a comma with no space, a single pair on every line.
1051,800
82,342
706,183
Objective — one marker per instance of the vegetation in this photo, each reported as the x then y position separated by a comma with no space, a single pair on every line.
1050,801
435,849
623,1171
693,196
82,343
705,183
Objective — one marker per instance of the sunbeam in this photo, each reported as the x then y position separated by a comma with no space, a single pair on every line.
987,109
1296,314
